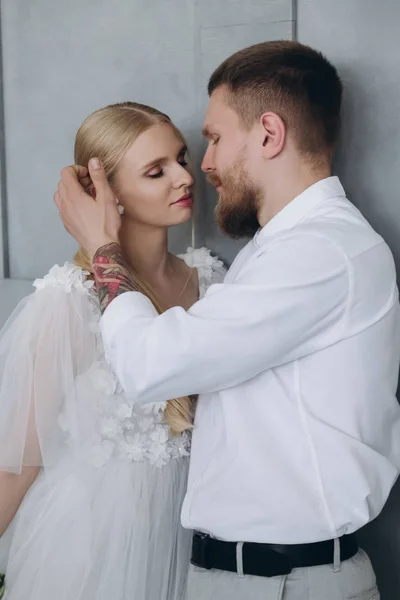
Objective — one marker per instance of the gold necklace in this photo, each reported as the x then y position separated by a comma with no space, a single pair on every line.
186,284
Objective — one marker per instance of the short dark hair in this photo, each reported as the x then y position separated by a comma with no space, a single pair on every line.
293,80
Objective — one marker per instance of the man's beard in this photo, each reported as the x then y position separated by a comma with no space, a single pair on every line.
238,205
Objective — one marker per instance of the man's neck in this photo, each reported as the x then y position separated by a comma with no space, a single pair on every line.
280,192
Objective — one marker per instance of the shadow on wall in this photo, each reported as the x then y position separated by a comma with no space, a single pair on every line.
366,163
368,158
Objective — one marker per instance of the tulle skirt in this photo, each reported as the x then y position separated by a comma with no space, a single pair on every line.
112,533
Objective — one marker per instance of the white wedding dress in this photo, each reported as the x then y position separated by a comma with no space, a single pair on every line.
102,519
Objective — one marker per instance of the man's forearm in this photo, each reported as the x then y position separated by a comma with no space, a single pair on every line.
112,274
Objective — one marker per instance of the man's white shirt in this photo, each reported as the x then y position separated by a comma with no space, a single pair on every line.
295,357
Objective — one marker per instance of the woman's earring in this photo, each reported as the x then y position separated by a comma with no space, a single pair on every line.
121,209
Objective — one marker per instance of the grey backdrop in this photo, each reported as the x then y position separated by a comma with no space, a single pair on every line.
362,38
61,60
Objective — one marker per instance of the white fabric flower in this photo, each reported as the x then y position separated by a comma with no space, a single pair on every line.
124,411
69,276
101,453
109,428
180,446
183,451
201,258
134,448
159,456
154,408
183,444
159,449
146,423
159,435
102,379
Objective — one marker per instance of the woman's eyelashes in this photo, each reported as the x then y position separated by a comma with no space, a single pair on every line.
155,175
158,172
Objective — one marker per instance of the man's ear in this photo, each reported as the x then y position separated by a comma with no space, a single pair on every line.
273,134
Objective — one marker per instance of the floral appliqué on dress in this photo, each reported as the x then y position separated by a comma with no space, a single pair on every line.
115,428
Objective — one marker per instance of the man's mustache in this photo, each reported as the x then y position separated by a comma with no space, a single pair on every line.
213,179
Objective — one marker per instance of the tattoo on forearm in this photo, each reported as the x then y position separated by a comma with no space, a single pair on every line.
112,274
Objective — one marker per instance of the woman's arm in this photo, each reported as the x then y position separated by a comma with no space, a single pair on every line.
44,345
13,487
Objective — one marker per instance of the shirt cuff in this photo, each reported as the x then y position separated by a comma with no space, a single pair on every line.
129,305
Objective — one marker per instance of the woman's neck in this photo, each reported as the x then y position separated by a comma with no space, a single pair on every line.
146,249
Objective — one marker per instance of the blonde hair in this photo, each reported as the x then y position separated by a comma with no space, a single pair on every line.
108,133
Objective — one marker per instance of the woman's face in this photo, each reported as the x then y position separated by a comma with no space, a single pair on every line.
153,182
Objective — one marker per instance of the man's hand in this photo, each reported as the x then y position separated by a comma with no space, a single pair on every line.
93,223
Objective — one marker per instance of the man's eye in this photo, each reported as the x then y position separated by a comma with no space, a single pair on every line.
214,141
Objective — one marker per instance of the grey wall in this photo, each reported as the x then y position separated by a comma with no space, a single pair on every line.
11,293
361,37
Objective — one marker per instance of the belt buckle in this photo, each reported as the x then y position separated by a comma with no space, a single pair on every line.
200,546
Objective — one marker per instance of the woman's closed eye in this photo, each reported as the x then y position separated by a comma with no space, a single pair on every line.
157,171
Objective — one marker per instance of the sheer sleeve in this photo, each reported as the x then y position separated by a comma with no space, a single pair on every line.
46,342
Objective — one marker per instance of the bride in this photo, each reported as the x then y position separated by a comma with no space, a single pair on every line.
90,485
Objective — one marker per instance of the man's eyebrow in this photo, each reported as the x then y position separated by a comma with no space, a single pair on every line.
207,131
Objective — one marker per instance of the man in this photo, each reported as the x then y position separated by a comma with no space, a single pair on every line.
296,442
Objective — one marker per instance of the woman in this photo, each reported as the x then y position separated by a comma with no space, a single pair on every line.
95,483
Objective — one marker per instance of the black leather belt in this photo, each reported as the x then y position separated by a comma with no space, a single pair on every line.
267,560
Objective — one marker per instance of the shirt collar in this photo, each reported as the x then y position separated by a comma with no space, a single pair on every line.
299,207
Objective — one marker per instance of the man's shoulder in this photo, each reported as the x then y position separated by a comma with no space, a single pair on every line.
342,224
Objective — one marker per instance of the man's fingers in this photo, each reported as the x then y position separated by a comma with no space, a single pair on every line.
69,178
100,181
85,182
57,200
80,171
62,190
83,175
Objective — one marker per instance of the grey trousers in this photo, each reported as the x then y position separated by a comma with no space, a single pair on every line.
353,579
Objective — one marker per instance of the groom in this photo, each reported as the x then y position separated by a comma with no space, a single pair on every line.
295,357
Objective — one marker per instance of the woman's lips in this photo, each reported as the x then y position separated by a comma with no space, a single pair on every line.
186,201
